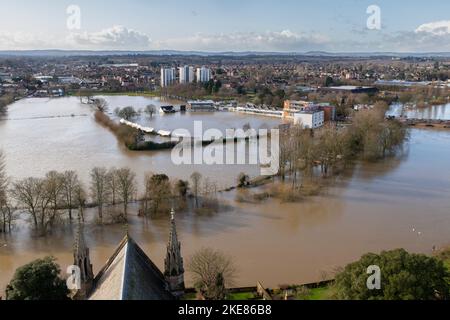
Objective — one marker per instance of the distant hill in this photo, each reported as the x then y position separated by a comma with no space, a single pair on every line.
66,53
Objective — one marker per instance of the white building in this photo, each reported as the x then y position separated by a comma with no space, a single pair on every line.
203,74
186,74
310,119
201,105
167,76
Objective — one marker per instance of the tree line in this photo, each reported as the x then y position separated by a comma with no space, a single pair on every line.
306,154
60,195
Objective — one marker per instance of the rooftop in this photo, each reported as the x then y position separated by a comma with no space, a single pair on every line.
130,275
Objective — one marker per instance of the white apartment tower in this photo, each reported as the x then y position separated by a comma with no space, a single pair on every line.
203,74
167,76
186,74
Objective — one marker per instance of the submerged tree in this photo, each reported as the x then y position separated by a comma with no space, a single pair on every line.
126,187
150,110
99,189
100,104
196,181
157,193
127,113
6,210
70,185
29,194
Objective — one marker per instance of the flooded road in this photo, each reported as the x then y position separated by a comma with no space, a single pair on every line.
374,207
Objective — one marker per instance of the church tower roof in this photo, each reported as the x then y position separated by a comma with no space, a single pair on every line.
81,259
174,269
80,243
130,275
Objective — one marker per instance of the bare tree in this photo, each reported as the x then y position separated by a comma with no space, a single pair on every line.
53,193
113,184
99,189
3,179
7,216
80,200
126,113
70,183
27,193
196,178
101,104
6,209
158,191
126,183
150,110
211,270
30,194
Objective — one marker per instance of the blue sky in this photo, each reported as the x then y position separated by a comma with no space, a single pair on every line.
227,25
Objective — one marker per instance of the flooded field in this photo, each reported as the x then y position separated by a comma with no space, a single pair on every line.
441,112
374,207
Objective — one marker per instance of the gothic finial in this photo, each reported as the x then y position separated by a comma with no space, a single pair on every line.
79,237
172,214
127,230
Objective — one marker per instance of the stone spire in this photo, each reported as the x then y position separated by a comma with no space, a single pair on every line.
174,270
82,260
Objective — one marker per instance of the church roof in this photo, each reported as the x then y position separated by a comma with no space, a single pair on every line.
130,275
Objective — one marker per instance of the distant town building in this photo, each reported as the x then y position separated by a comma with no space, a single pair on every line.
201,105
260,110
168,76
203,74
186,74
350,89
292,107
310,119
329,112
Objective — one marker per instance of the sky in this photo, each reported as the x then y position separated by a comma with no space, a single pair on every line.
227,25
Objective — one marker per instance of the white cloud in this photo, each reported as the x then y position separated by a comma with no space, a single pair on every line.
438,28
116,37
285,40
430,37
24,41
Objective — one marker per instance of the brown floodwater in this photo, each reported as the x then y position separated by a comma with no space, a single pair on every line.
374,207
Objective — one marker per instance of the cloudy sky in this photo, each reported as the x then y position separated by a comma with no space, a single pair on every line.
227,25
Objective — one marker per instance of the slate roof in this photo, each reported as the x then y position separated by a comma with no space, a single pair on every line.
130,275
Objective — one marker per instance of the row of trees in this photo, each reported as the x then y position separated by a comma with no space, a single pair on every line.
4,102
46,199
58,194
160,193
129,113
330,149
6,212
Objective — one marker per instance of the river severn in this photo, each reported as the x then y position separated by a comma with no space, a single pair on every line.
400,202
